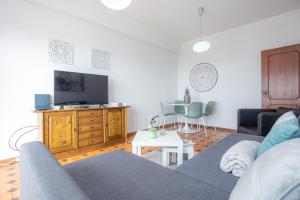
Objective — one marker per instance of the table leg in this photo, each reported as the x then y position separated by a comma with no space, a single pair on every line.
139,151
134,150
164,158
186,120
179,155
186,126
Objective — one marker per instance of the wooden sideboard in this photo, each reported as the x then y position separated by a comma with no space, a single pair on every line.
75,129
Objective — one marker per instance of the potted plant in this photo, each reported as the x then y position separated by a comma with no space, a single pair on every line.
152,132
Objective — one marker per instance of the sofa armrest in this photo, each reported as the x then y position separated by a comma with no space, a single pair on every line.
265,122
43,178
248,117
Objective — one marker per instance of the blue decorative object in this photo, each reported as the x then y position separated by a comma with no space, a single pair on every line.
284,129
42,101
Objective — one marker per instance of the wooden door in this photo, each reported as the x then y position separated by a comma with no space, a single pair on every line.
281,77
60,131
114,125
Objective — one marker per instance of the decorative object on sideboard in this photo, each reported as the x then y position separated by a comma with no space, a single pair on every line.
42,101
152,131
203,77
116,104
187,97
201,45
100,59
61,52
116,4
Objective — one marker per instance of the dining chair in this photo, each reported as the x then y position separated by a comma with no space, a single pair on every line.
179,110
164,115
195,111
209,109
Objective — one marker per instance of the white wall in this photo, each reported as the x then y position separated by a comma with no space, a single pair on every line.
236,55
93,11
141,74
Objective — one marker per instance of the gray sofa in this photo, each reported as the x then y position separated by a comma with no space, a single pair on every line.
122,176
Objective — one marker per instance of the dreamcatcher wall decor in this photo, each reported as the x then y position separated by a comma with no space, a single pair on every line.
203,77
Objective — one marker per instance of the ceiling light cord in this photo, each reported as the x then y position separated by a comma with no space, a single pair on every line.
201,45
200,12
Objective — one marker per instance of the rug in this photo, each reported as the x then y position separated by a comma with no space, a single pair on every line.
156,157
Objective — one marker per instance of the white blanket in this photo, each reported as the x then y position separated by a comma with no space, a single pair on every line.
239,157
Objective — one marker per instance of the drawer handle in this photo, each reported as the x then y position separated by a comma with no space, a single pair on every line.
92,120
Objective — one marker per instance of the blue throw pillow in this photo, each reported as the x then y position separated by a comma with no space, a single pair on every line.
297,134
284,128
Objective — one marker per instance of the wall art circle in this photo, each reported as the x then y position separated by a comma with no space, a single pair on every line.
203,77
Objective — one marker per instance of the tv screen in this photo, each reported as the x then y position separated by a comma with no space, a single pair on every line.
72,88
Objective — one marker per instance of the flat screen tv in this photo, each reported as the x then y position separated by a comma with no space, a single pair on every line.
72,88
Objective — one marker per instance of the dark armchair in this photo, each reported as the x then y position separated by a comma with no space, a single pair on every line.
256,121
260,121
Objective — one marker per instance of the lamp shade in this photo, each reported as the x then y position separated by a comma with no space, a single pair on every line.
201,46
116,4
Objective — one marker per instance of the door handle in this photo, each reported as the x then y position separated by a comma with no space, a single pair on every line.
265,92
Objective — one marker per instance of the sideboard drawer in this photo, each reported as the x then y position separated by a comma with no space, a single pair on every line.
91,127
91,113
88,142
90,120
89,135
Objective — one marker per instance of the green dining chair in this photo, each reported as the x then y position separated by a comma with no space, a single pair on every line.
209,109
195,111
164,115
179,110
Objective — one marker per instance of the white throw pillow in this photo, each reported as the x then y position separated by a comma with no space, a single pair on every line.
275,175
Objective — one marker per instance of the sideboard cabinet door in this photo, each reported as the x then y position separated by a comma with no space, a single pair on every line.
60,131
114,125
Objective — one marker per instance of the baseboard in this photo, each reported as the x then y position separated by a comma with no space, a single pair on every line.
224,129
218,128
8,161
193,125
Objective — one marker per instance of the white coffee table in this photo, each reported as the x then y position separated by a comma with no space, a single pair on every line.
171,139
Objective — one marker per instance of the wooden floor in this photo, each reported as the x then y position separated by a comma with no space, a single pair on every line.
9,174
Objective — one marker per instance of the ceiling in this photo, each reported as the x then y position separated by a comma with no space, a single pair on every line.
179,18
169,23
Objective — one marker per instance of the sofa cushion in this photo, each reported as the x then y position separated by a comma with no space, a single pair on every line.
274,175
123,176
248,130
283,110
205,166
283,129
297,135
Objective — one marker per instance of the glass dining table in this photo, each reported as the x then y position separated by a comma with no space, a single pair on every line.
186,129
